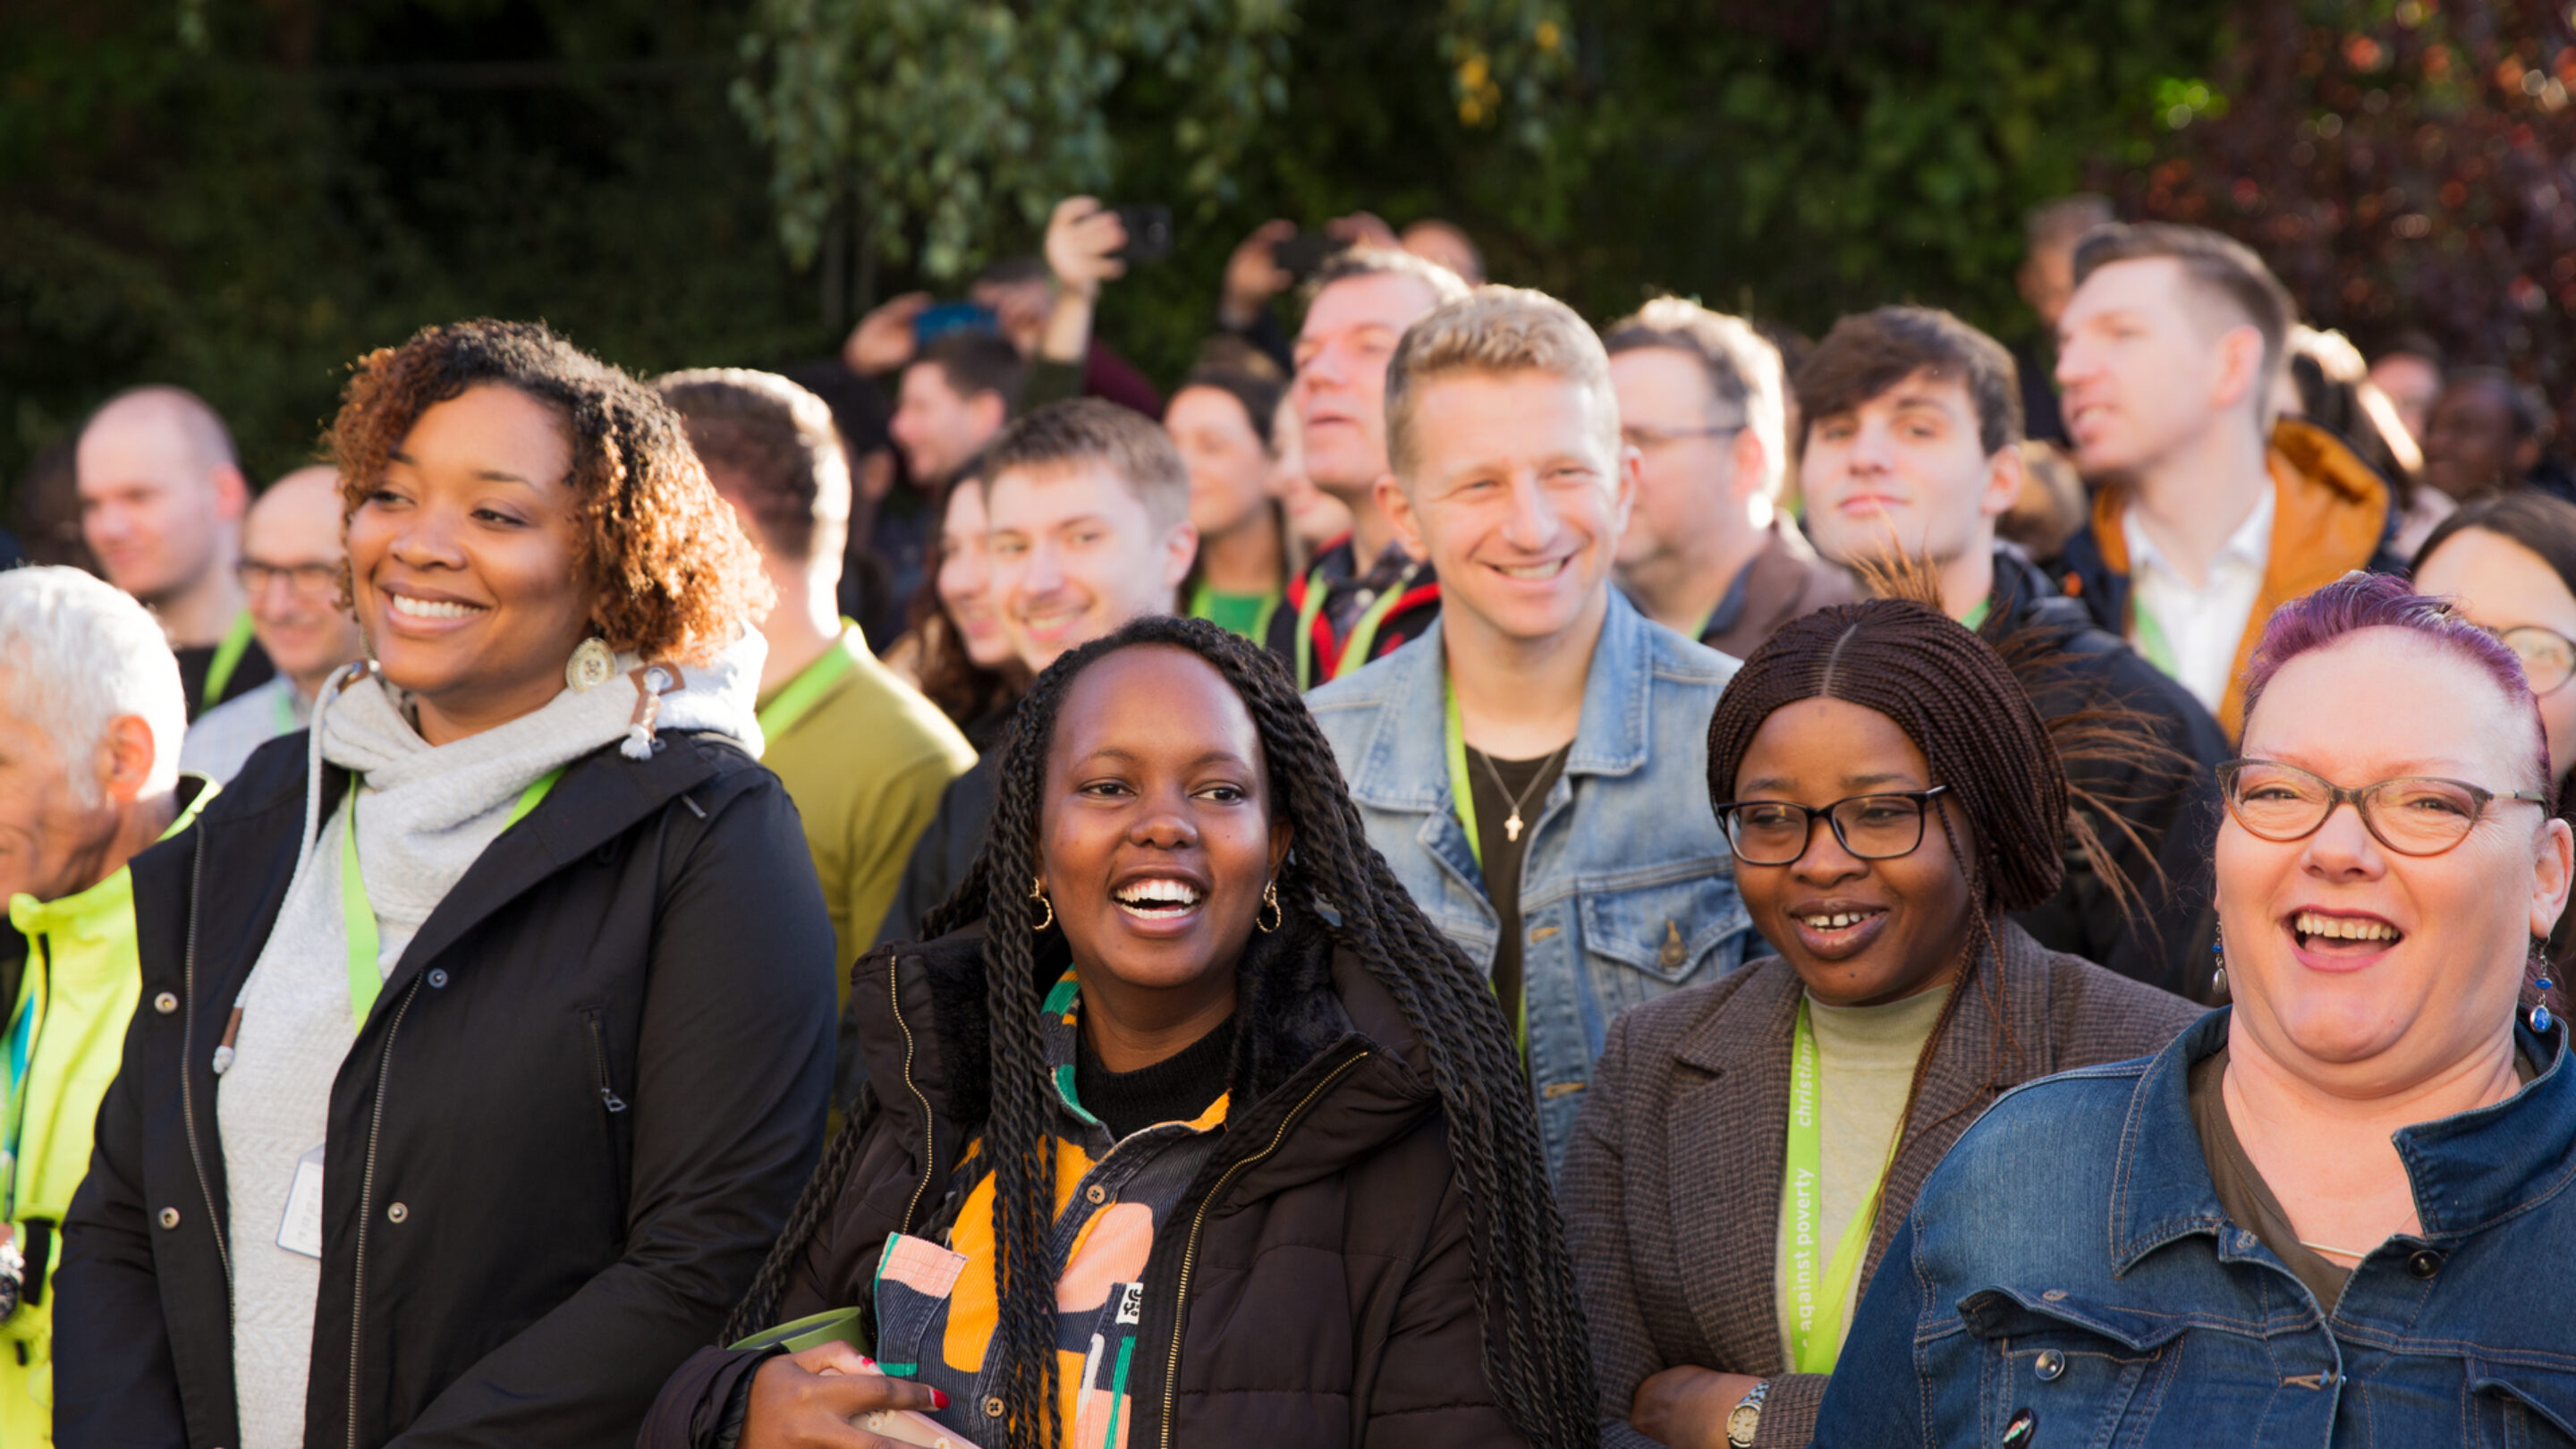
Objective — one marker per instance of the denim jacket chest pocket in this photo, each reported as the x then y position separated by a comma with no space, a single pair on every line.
2522,1406
2073,1372
1643,940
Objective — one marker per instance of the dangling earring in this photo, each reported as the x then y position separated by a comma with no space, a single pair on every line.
2218,978
590,665
1270,898
2540,1017
1037,893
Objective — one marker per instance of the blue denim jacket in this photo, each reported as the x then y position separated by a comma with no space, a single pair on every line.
1627,888
2069,1261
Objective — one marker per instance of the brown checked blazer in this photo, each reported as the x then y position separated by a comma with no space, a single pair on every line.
1671,1188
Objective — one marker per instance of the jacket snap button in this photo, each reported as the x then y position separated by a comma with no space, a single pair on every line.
169,1217
2019,1428
2424,1262
993,1407
2048,1365
397,1213
1098,1194
165,1003
437,978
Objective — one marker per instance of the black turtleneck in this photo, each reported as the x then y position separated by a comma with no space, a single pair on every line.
1175,1089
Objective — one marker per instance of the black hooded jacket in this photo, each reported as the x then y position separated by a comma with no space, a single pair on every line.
558,1148
2173,806
1312,1288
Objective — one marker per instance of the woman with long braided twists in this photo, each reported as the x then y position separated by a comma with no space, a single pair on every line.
1187,1129
1749,1146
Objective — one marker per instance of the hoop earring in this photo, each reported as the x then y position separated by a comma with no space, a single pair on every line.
2218,978
1278,917
1037,893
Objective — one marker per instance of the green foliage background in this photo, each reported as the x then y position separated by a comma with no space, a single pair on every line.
244,197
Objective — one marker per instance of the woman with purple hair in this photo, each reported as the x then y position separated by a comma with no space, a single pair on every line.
2335,1212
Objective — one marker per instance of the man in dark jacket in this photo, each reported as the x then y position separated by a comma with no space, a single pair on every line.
1364,596
1912,452
610,1083
1706,552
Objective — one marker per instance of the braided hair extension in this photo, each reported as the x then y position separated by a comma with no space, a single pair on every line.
1959,703
1537,1356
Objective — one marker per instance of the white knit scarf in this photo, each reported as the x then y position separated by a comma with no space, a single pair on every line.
424,814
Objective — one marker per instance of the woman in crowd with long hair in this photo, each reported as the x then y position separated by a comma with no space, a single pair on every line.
468,1094
1747,1148
1221,422
1187,1129
2335,1212
956,651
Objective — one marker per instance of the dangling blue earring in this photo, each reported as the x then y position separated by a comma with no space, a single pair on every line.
2218,978
2540,1017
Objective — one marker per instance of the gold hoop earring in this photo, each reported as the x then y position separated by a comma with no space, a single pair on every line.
1270,898
1037,893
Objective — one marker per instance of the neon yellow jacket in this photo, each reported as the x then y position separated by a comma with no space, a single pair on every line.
80,987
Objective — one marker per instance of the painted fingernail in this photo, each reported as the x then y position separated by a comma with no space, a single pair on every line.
867,1361
938,1400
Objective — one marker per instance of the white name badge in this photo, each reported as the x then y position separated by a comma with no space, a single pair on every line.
301,1230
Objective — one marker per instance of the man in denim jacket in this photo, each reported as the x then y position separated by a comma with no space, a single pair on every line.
1534,767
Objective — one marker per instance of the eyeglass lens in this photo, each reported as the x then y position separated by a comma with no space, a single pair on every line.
302,578
2416,817
2547,659
1872,827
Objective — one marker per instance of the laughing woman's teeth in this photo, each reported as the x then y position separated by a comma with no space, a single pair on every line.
2342,928
1158,897
1838,921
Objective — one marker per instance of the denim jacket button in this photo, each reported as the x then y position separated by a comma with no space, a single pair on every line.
2019,1429
2424,1262
2048,1365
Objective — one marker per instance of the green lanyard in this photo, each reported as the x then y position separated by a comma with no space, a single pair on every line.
1816,1309
1203,606
2151,642
285,706
1355,650
228,657
1975,618
799,696
1462,797
366,978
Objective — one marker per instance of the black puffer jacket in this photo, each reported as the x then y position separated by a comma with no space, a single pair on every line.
1311,1289
568,1131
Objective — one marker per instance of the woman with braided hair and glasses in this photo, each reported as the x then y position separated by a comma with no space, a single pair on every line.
2335,1212
1188,1128
1748,1147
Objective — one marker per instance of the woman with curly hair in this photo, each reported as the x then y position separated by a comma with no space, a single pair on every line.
469,1095
1187,1129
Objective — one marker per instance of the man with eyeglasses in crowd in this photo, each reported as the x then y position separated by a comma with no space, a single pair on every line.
290,575
1707,552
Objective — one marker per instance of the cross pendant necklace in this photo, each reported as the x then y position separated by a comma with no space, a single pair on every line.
1512,822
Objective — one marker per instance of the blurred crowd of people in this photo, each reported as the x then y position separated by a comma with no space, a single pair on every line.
1449,880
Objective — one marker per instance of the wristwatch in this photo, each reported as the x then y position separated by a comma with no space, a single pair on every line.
1746,1418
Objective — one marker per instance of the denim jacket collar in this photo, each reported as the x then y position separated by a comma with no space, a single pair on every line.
2470,1171
1407,768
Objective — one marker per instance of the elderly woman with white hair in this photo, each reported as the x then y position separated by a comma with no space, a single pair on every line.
91,712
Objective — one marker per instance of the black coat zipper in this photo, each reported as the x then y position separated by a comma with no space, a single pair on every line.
1190,1247
929,1128
187,1082
599,1064
367,1203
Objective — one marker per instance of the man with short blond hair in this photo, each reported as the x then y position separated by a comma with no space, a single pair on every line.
1518,764
291,562
91,711
161,505
1707,552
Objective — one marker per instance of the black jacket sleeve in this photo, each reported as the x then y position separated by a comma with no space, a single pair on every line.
733,1076
115,1382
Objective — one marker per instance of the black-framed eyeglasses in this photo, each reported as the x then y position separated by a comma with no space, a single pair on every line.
2412,815
310,579
1870,827
2548,657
